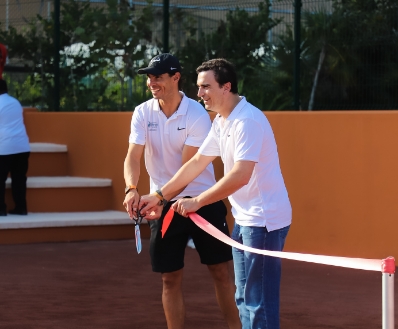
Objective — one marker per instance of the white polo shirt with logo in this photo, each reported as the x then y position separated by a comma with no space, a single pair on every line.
164,139
246,135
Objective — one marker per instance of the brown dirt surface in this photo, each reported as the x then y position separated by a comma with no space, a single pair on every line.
107,285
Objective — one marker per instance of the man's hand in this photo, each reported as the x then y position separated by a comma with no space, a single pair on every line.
149,207
130,203
148,202
153,213
185,206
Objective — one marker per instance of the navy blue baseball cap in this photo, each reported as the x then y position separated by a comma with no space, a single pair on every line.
160,64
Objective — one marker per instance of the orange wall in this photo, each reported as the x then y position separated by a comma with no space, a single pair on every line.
340,169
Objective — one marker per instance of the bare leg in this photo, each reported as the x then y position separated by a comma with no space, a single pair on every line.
222,275
173,301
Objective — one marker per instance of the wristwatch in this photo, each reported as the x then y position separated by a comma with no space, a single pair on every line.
159,195
129,188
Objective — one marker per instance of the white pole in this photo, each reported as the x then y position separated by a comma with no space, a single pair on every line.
388,301
388,269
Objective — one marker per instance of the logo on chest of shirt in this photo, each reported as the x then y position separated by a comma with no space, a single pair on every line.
152,126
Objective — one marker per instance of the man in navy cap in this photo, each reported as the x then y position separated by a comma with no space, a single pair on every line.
171,127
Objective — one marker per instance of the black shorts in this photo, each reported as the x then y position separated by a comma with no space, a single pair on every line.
167,254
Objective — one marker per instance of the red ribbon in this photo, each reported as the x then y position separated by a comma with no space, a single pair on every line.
356,263
167,220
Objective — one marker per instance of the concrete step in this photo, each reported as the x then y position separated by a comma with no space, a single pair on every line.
70,226
65,194
65,219
48,148
63,182
48,159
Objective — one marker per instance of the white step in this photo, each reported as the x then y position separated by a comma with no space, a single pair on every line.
65,219
63,181
47,148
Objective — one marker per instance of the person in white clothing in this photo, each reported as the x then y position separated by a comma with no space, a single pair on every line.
14,152
242,136
170,128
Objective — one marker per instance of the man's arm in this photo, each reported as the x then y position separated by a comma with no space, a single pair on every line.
238,177
187,153
131,176
187,173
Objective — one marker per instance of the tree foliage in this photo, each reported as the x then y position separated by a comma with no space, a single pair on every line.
360,46
101,48
348,55
241,39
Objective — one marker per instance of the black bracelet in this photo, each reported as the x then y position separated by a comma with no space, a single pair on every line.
163,202
160,193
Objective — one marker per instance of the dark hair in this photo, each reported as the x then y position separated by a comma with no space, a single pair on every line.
3,87
224,72
180,82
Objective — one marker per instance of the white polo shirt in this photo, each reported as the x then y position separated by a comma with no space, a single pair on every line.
13,137
247,135
164,139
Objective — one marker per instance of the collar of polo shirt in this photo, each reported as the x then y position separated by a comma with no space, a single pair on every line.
182,108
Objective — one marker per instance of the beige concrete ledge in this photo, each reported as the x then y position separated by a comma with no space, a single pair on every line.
64,182
67,219
47,148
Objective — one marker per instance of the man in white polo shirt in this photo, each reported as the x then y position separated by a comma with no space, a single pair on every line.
171,127
253,182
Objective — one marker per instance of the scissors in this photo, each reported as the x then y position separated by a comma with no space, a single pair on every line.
137,223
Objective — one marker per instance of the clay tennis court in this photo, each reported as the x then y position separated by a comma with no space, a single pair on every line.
105,284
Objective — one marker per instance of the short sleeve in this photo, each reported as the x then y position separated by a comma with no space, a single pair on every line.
138,132
198,131
211,145
249,137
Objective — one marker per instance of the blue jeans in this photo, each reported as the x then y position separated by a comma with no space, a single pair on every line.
258,277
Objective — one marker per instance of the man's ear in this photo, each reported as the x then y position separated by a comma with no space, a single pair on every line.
227,86
177,76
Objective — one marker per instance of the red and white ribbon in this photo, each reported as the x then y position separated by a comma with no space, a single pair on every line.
356,263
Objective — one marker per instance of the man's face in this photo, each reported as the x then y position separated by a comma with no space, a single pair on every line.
161,86
210,91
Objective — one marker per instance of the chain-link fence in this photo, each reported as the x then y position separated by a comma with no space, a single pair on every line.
347,58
